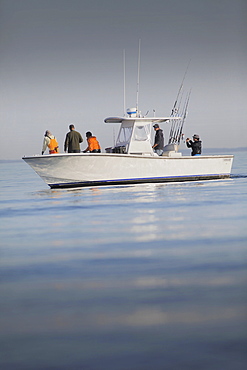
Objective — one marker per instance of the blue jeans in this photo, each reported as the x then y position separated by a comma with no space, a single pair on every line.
158,151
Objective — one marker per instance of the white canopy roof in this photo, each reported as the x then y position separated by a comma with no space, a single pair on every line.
140,119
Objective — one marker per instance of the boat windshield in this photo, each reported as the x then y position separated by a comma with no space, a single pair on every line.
141,133
124,135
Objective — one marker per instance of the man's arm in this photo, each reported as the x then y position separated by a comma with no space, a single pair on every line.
188,143
66,143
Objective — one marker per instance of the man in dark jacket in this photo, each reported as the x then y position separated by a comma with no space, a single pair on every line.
73,140
196,145
158,140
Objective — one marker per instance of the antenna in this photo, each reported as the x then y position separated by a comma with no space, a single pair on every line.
138,76
124,82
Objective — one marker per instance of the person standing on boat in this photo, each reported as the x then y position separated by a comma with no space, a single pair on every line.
93,144
50,142
195,145
158,140
73,140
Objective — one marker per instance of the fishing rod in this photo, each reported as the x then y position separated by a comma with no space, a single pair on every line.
175,123
184,115
172,137
179,131
179,123
178,135
175,127
174,113
180,89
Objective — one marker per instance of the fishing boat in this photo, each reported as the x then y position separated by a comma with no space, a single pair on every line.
132,160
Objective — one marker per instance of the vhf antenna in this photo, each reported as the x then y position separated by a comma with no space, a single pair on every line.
138,77
124,83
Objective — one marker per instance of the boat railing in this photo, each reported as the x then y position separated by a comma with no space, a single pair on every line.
116,149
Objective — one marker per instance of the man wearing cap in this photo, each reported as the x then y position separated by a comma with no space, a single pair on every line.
195,145
50,142
158,140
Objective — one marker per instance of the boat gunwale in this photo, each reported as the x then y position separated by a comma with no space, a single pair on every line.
117,155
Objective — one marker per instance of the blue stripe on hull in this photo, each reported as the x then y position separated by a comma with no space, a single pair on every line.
139,181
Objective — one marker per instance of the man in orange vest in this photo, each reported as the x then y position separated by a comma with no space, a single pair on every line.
50,142
93,144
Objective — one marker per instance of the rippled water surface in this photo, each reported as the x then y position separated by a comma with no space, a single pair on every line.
135,277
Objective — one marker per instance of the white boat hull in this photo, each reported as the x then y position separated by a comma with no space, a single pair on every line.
97,169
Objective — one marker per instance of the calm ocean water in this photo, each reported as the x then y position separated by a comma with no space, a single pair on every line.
145,277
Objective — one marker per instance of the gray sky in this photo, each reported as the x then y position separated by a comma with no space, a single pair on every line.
62,63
